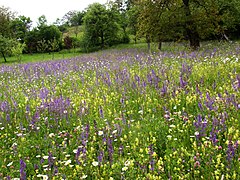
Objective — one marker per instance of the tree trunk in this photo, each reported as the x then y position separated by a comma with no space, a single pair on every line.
191,28
148,43
5,60
159,43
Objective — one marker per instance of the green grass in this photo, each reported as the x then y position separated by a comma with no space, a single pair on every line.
37,57
170,47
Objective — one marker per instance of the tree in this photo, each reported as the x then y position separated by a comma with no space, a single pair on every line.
5,19
53,46
42,22
18,49
133,15
153,20
194,20
20,27
42,46
31,39
74,18
68,42
227,15
100,27
118,9
6,45
42,33
49,33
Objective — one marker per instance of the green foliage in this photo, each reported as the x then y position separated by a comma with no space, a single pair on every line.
68,42
42,46
73,18
31,40
133,14
5,19
100,27
17,50
20,27
43,35
183,19
42,21
10,46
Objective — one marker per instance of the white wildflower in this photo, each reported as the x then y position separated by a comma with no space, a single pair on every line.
51,135
196,133
114,132
9,164
68,162
100,133
95,163
45,157
125,168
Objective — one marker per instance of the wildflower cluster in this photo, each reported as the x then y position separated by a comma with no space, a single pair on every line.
122,114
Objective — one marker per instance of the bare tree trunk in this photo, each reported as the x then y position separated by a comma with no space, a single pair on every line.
191,28
5,60
159,43
148,43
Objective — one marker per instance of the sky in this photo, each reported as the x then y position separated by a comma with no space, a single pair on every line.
52,9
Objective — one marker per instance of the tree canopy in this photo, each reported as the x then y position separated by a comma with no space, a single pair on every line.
100,27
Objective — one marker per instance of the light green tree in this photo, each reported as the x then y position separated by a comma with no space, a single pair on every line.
53,46
17,50
6,46
42,46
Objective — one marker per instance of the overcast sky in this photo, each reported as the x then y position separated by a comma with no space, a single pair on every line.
52,9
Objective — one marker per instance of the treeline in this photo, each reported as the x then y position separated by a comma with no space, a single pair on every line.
113,23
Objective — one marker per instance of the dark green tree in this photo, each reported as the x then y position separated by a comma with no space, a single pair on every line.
40,34
42,21
133,15
119,14
68,42
6,16
20,27
100,27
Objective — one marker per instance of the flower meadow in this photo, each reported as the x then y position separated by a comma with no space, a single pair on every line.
123,114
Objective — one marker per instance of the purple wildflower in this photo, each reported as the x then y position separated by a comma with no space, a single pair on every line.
200,125
110,150
22,170
50,160
231,151
152,162
100,156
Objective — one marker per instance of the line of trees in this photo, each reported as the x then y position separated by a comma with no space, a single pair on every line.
192,20
113,23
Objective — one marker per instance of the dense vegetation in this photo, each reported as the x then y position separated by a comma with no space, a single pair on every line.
121,21
123,114
168,113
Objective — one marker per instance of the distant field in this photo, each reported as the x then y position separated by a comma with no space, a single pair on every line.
122,113
65,54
